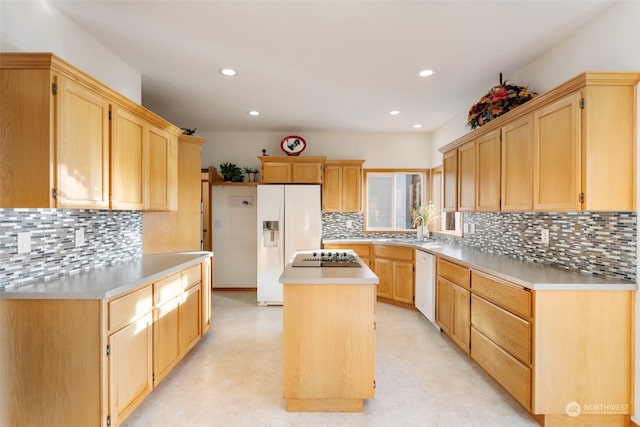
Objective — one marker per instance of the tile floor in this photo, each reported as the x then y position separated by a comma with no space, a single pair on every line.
233,377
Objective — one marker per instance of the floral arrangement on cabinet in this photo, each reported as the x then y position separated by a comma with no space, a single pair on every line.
500,99
423,217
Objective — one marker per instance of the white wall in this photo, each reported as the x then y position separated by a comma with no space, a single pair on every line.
235,237
380,150
611,42
36,26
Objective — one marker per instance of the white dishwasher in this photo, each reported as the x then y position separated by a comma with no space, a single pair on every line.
426,285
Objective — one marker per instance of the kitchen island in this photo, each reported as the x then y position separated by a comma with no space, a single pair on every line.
328,336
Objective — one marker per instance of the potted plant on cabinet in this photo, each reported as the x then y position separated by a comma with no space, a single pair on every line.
231,172
251,174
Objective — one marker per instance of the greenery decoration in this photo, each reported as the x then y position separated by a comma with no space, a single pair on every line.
231,172
500,99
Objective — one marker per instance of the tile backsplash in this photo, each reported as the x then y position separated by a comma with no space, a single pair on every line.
110,237
598,243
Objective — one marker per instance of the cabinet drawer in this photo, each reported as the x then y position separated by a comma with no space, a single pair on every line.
507,296
191,276
453,272
167,289
504,368
394,252
128,308
360,249
503,328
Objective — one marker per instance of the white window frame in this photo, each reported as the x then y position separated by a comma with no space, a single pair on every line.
393,173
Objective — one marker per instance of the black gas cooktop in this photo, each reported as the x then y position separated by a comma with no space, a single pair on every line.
324,258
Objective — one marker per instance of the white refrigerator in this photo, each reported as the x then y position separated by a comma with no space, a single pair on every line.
289,219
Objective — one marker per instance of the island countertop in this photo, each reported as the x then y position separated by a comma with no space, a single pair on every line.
342,275
104,283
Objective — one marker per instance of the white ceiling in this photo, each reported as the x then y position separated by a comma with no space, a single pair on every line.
324,65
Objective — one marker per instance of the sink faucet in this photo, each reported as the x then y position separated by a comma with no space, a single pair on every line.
419,229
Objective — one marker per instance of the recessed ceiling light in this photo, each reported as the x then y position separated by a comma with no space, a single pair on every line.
229,72
425,73
394,112
254,113
417,126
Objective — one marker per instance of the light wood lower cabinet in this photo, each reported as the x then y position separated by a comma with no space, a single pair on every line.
453,302
130,367
92,362
546,348
329,346
395,268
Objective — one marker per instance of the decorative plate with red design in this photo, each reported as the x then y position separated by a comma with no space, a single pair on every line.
293,145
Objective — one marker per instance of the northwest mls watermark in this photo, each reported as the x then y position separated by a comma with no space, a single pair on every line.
573,409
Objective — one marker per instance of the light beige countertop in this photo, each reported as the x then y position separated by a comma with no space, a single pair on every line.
320,275
107,282
531,275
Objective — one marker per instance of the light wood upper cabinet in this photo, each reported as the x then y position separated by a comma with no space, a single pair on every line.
144,169
291,169
179,230
342,186
128,164
161,172
467,177
66,153
450,181
82,147
556,155
571,148
488,172
54,139
517,165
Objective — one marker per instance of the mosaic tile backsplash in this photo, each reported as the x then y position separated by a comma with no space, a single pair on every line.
110,237
598,243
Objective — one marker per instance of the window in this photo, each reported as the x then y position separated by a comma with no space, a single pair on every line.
391,195
450,222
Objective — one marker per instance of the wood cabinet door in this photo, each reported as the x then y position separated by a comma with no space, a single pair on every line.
161,170
127,160
488,173
166,348
556,155
306,173
351,188
384,270
82,147
467,176
189,319
443,304
332,189
517,165
461,316
206,295
276,172
130,367
403,281
329,342
450,180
